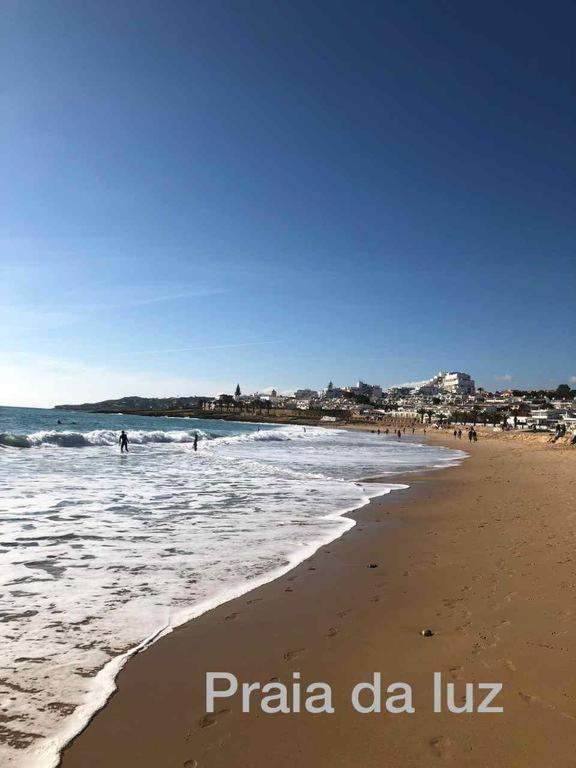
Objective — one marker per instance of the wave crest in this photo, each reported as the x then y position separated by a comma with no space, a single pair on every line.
66,439
99,437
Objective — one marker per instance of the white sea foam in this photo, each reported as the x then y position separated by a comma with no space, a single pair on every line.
101,553
69,439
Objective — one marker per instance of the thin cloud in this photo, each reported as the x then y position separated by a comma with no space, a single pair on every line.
141,302
128,300
55,316
503,377
238,345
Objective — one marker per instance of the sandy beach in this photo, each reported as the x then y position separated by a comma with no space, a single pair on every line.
482,554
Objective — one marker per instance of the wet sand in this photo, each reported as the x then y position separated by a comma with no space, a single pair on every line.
483,554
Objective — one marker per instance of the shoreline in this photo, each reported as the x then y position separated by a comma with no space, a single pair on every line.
107,677
118,664
157,716
105,682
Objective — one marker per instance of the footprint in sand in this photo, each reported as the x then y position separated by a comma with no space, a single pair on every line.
442,746
531,699
332,632
289,655
211,718
254,600
190,764
343,613
231,617
455,672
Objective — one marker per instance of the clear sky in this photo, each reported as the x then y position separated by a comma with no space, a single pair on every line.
195,194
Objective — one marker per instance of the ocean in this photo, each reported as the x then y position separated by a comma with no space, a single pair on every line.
101,553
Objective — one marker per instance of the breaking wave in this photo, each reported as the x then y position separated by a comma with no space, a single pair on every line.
65,439
98,437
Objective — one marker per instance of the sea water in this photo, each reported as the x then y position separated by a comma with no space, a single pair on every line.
102,552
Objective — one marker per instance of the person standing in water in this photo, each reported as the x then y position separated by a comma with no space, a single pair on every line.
196,441
123,440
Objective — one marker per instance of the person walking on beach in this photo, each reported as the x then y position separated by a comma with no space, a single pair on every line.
470,435
196,441
399,434
123,440
459,434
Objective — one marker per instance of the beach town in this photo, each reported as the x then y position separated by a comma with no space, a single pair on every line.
447,398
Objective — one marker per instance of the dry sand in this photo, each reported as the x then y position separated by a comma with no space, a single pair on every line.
483,554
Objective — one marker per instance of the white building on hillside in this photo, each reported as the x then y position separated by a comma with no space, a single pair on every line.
447,382
457,383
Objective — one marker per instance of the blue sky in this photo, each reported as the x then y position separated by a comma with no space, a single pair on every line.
282,193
